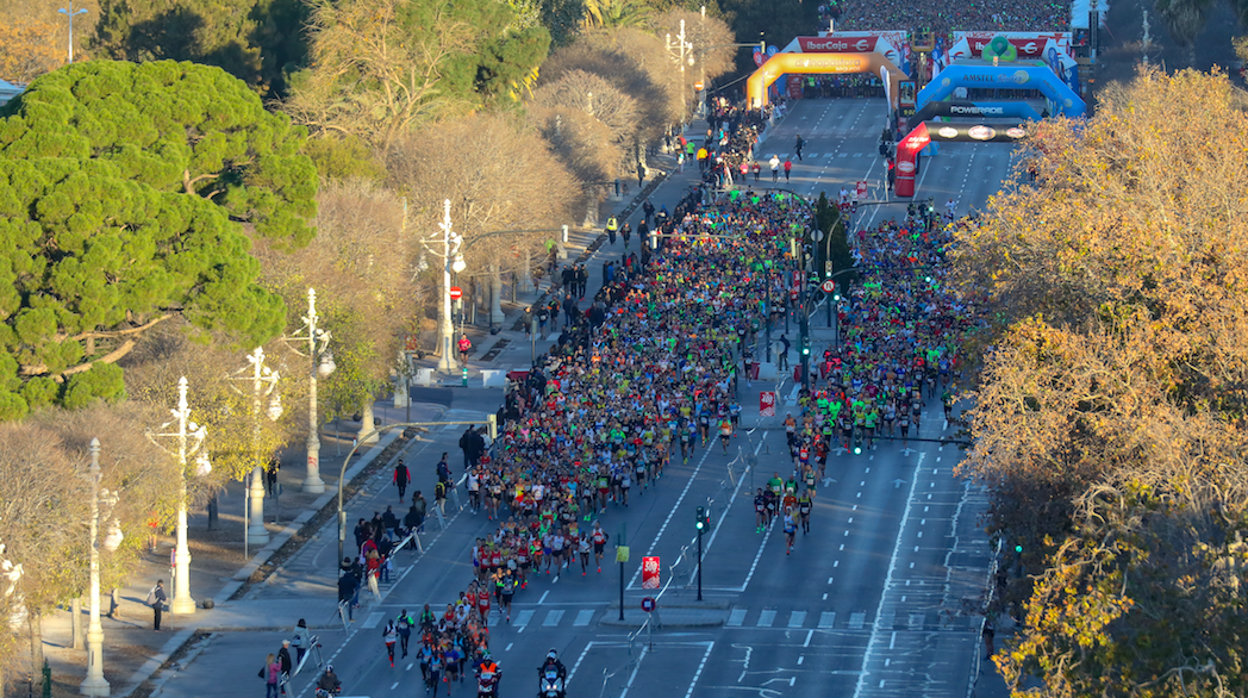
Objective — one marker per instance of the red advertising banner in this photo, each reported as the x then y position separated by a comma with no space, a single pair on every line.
833,44
767,404
970,44
650,572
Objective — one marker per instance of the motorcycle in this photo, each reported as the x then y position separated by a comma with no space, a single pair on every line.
551,684
487,684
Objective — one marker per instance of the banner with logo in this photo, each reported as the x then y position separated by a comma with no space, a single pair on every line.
1030,45
888,43
650,572
766,404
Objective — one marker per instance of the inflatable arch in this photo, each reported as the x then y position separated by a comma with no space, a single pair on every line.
822,63
984,75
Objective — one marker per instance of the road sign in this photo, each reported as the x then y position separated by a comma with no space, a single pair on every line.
860,193
767,404
456,293
699,86
647,604
828,286
650,572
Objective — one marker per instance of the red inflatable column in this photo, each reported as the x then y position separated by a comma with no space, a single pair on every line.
907,159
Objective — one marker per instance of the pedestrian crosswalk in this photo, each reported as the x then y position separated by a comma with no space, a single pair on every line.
739,617
770,618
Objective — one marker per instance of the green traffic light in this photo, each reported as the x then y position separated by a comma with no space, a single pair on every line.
857,450
1018,548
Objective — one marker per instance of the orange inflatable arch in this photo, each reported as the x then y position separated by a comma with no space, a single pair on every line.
821,63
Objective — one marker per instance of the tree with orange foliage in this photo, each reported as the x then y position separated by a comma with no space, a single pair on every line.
29,48
1110,419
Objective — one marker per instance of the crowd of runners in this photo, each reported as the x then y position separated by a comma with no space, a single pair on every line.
649,374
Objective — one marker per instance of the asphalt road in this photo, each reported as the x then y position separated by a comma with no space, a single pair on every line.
870,603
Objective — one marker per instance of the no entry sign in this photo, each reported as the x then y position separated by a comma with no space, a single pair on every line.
456,293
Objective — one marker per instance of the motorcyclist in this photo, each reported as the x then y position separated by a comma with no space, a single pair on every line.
486,665
329,680
552,660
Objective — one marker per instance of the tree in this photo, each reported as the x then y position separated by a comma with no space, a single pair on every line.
361,268
256,41
594,95
381,69
1111,410
125,187
44,507
499,176
28,49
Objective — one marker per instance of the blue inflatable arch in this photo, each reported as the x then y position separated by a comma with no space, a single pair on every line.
1011,76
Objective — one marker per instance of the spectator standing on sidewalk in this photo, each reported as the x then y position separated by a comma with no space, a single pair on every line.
271,672
348,584
421,506
156,599
283,658
299,640
402,476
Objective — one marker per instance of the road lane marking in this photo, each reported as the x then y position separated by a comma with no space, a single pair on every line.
583,618
522,619
705,452
766,618
552,619
797,619
373,619
701,665
736,617
543,599
857,620
888,578
827,620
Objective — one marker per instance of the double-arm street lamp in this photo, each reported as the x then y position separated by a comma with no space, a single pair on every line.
453,248
95,684
322,365
263,380
71,13
188,441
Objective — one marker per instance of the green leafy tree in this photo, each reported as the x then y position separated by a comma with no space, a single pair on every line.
123,192
257,41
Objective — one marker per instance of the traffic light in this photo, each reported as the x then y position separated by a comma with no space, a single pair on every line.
702,520
805,346
1018,548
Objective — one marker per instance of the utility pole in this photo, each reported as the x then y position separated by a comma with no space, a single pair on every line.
1147,38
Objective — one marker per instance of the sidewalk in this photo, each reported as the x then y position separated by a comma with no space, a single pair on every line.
219,572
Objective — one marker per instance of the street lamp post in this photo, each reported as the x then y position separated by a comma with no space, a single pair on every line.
71,13
95,684
263,380
451,261
189,441
322,364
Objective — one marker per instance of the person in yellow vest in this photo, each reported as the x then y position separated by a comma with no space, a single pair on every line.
702,155
613,227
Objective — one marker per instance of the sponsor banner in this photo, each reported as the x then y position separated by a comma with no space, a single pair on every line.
767,404
993,110
795,87
650,572
1030,45
883,42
